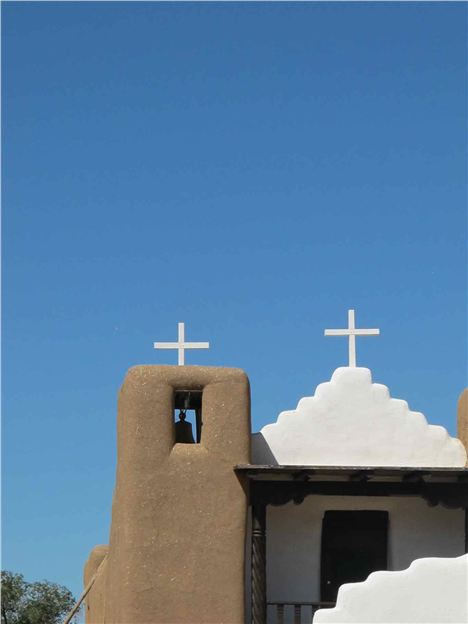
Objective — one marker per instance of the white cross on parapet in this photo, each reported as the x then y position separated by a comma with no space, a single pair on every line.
181,345
352,332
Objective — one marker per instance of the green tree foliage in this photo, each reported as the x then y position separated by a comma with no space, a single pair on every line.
33,603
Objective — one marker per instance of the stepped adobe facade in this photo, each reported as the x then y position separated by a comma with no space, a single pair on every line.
211,525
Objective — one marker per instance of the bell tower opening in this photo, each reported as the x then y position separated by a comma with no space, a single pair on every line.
188,416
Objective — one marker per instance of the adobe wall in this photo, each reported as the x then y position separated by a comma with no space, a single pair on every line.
95,601
176,550
462,419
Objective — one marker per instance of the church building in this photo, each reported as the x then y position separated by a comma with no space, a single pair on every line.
348,508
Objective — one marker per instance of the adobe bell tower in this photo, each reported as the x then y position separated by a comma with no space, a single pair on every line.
177,540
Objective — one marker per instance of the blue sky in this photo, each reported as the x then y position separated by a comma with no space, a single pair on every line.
251,169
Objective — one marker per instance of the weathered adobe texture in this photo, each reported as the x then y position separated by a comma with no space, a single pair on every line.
177,541
462,428
96,602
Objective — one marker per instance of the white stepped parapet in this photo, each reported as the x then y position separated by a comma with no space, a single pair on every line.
351,421
430,591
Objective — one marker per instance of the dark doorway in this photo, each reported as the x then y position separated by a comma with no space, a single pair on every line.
354,544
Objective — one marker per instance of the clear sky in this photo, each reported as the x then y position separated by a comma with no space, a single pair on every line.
251,169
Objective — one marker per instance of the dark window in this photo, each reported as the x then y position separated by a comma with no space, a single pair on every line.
188,416
354,544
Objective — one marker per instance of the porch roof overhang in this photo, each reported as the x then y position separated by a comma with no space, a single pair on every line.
278,485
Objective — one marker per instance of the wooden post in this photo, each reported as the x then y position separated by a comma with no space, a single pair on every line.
466,530
258,570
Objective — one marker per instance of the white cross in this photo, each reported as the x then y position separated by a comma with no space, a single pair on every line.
352,332
181,345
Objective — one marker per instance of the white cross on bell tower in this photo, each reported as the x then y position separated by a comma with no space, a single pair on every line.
352,332
181,345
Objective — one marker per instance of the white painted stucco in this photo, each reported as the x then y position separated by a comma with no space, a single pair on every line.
351,421
429,591
294,540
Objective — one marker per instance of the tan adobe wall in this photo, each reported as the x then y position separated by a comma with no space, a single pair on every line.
177,543
95,601
462,419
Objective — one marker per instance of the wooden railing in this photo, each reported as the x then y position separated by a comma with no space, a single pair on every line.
294,612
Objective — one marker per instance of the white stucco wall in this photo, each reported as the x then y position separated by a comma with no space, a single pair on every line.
429,591
351,421
294,536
